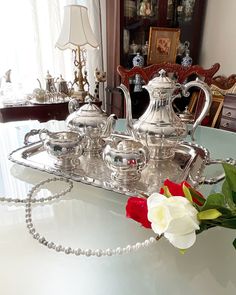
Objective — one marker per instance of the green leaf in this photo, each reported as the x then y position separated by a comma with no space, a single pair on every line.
229,223
228,194
196,195
214,201
208,214
234,243
187,193
230,176
166,191
234,197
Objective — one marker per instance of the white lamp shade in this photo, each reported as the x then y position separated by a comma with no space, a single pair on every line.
76,30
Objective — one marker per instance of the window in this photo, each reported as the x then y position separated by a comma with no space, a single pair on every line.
29,30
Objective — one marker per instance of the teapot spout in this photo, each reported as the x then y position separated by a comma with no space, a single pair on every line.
110,126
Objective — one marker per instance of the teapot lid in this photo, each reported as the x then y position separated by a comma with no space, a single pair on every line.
61,79
87,115
162,81
48,76
90,109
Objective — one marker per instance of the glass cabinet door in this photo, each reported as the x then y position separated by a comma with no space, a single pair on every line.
137,16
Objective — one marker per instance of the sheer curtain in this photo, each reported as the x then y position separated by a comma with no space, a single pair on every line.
29,30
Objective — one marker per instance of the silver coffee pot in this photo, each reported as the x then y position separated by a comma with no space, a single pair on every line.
159,127
92,123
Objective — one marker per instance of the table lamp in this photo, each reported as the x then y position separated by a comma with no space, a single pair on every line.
77,34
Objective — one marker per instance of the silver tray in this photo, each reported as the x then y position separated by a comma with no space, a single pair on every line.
189,163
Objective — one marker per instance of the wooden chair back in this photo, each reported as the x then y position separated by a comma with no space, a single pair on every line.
180,73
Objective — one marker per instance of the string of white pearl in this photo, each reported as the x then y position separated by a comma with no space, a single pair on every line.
69,250
41,200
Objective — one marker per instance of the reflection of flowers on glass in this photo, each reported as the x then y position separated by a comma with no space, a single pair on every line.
179,212
163,45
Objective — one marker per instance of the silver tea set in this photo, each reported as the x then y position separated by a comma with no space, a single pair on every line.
144,152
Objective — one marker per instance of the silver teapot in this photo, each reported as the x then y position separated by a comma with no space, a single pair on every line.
159,126
92,123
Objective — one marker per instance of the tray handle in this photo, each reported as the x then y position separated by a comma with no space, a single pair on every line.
220,177
29,134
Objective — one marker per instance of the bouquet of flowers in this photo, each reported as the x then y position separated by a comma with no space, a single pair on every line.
179,212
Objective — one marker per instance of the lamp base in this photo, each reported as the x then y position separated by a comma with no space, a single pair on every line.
79,95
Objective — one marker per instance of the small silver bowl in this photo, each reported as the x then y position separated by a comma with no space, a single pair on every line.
126,157
64,146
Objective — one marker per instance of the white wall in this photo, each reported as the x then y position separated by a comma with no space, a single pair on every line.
219,36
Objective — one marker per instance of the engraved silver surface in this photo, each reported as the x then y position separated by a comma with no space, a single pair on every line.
189,160
126,157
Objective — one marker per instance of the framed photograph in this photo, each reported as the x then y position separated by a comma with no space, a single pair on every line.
163,43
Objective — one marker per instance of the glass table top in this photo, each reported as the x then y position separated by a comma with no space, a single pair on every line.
89,217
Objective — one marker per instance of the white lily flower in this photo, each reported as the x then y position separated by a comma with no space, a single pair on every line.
175,218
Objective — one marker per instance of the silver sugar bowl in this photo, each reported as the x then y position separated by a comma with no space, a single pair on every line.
65,147
126,157
92,123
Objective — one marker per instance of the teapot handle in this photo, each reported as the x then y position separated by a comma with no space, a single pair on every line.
129,119
43,131
218,178
27,136
208,98
73,105
34,132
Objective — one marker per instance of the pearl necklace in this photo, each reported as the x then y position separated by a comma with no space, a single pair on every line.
41,200
68,250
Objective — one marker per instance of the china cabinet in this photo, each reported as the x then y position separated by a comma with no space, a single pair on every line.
128,25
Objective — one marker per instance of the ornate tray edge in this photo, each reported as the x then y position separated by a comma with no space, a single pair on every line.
102,184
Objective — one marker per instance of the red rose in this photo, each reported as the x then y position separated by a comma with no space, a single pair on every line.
136,208
177,190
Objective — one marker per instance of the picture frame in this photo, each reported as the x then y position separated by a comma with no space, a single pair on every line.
193,101
215,109
163,43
